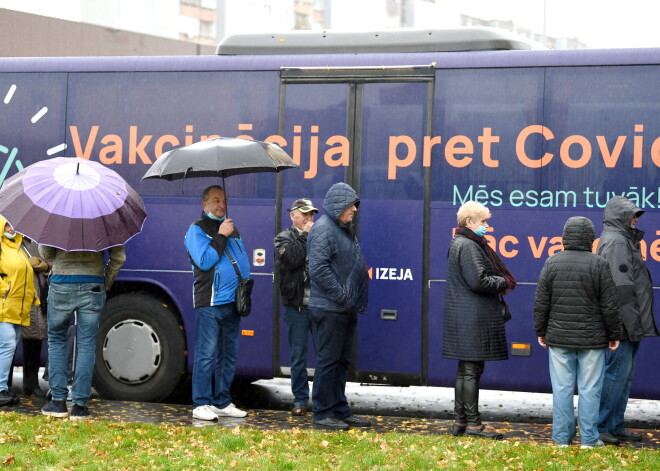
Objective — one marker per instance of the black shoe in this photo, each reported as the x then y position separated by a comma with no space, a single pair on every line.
7,398
626,436
608,439
458,430
299,409
34,391
79,412
481,432
332,424
55,409
355,421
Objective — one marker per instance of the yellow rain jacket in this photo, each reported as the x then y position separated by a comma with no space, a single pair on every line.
17,294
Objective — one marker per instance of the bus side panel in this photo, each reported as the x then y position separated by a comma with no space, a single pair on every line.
126,120
606,142
31,119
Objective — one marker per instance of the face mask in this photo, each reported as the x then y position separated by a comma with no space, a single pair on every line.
214,217
481,231
10,236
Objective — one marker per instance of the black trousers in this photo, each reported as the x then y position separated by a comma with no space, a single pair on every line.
31,354
466,392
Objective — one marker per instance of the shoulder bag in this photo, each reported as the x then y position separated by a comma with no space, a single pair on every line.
243,290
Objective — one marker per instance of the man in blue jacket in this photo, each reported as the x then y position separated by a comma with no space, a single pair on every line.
209,242
339,290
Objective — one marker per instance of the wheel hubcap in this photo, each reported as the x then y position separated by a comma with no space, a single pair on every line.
132,351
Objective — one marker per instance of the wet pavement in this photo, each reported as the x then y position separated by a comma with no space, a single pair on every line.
421,410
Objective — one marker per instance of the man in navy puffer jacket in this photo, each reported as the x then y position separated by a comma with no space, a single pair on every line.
339,290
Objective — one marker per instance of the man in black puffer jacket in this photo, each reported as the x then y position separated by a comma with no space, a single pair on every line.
339,280
576,316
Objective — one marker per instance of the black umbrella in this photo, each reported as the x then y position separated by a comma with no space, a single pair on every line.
220,157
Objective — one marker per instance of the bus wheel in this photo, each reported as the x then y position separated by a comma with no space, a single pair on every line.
140,350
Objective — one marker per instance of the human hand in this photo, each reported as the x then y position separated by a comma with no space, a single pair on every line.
5,288
542,342
613,345
227,227
307,226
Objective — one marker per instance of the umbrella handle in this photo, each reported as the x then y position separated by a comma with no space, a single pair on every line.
225,190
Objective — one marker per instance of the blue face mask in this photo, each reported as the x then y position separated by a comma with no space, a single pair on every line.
481,231
212,216
10,236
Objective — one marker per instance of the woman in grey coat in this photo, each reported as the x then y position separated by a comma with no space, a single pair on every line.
473,324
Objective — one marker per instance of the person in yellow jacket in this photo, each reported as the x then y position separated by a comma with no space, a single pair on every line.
17,295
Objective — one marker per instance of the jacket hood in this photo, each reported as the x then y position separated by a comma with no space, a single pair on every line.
339,197
17,239
579,234
619,212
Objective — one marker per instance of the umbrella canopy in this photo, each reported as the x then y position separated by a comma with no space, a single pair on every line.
72,204
220,157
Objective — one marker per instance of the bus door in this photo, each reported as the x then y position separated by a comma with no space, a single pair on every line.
367,128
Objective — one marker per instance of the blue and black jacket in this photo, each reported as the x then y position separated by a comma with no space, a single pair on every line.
215,277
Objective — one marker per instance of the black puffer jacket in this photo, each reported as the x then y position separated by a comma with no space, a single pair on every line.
576,304
473,325
619,245
291,263
337,270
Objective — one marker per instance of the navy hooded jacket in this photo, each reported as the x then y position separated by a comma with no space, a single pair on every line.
337,271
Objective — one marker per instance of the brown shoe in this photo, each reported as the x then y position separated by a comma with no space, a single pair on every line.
299,409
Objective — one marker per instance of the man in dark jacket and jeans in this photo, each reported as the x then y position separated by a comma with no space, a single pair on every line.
339,282
620,246
291,263
576,316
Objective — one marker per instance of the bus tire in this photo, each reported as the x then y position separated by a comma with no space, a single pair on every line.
140,350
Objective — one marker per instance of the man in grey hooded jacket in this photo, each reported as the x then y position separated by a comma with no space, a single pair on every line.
338,294
620,246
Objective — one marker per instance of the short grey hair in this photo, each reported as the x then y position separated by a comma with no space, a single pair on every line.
207,190
472,210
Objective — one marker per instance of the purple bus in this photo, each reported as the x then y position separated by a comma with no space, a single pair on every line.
417,122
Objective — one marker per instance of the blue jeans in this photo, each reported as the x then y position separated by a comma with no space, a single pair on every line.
299,325
88,300
334,333
617,378
566,366
216,331
10,334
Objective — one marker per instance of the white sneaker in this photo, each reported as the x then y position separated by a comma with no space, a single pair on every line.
204,413
598,444
230,411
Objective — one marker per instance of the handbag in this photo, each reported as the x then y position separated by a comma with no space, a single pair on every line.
504,309
243,290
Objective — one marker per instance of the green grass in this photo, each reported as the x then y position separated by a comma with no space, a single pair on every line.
42,443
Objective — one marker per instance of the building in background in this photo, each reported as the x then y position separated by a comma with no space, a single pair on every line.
205,22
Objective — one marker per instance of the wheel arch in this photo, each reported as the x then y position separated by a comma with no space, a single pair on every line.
148,288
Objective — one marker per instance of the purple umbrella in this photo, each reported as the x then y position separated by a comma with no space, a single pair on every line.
72,204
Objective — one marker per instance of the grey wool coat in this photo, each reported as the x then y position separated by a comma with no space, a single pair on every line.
473,324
